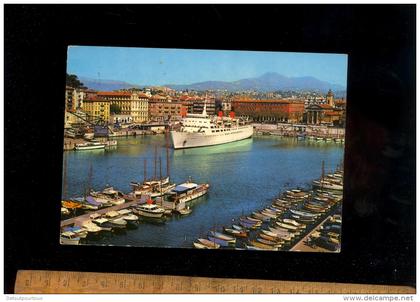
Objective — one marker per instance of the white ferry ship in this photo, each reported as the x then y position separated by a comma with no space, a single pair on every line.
199,130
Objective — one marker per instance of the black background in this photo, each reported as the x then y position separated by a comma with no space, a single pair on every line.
379,203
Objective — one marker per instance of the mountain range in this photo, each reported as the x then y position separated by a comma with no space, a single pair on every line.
270,81
106,85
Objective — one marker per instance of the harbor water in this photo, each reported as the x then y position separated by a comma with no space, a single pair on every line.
244,176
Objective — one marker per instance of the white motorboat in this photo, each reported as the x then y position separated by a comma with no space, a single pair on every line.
118,222
69,238
180,196
89,146
130,217
112,214
150,210
103,223
115,197
91,227
65,211
78,231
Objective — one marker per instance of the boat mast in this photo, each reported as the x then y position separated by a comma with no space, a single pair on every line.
89,182
160,169
322,176
155,161
160,180
90,177
145,170
167,153
64,177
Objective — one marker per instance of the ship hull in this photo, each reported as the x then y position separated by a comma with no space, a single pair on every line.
183,140
184,201
83,148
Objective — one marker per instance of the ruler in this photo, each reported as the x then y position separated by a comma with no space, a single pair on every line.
62,282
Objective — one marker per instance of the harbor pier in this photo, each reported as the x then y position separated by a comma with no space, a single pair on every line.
302,246
79,220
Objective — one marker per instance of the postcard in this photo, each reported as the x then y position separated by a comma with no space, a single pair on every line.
204,149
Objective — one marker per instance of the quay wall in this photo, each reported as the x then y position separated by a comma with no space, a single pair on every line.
283,129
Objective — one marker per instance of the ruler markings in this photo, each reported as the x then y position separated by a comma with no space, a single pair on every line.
43,282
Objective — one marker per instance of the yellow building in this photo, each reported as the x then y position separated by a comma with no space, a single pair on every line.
96,108
131,104
140,107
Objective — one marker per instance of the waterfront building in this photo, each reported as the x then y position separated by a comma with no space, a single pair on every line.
163,111
198,106
188,102
96,108
74,98
70,104
226,106
270,110
135,105
324,114
140,107
331,113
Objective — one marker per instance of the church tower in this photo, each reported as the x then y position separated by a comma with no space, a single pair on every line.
330,98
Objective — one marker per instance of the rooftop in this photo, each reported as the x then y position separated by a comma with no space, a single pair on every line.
262,101
114,93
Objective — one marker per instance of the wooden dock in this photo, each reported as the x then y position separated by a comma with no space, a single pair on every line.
79,220
301,246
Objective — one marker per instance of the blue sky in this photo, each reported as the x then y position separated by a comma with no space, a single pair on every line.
157,66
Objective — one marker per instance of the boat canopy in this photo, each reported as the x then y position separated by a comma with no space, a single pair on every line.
124,211
73,229
95,215
101,220
92,201
112,214
184,187
109,190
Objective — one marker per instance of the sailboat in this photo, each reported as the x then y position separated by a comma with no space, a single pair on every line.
155,187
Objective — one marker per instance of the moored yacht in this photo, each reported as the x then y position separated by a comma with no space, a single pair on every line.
179,197
89,146
150,210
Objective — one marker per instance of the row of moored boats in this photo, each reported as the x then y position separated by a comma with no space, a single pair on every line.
113,220
283,223
155,199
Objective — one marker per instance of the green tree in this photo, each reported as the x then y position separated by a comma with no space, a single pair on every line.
115,109
73,81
